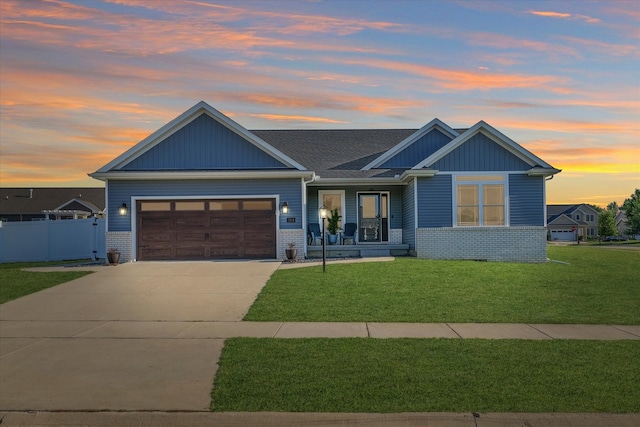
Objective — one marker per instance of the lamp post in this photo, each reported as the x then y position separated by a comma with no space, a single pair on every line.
323,215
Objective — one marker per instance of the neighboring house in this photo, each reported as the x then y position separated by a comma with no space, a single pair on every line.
37,204
204,187
569,222
621,224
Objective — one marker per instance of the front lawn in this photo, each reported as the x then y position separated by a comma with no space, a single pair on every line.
597,286
428,375
15,283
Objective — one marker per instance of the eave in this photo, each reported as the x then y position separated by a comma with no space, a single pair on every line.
183,175
418,173
342,182
539,171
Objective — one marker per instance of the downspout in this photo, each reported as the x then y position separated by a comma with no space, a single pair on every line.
544,188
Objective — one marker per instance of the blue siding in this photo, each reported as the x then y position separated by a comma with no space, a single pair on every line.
351,201
418,150
526,200
479,153
408,216
204,144
290,191
435,202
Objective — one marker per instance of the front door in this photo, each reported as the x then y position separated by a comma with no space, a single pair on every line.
373,218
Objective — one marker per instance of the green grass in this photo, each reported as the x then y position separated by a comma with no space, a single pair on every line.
428,375
15,283
598,286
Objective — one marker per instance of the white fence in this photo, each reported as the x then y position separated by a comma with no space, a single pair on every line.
52,240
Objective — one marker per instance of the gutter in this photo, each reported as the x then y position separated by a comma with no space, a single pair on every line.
237,174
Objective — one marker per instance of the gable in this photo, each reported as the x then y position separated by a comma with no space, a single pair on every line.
588,210
78,205
415,147
203,144
479,153
418,150
562,220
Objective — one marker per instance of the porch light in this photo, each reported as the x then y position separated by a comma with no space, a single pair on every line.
285,208
122,210
323,212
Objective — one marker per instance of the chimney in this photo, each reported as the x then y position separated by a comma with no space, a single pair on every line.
31,193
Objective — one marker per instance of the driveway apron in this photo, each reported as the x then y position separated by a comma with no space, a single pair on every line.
93,343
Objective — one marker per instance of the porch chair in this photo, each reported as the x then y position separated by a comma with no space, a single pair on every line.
313,234
349,233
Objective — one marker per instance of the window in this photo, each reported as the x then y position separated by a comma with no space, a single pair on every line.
189,206
332,199
224,205
155,206
480,200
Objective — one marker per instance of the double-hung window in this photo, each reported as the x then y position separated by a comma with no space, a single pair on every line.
480,200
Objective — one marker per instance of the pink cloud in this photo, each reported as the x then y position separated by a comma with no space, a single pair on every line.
560,15
296,118
465,80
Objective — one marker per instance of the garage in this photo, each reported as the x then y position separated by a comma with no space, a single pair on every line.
206,229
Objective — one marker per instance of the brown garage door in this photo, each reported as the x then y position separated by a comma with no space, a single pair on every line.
206,229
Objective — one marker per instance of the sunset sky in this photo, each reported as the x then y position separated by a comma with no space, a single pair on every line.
82,81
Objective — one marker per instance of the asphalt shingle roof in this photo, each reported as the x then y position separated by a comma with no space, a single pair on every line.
339,153
18,200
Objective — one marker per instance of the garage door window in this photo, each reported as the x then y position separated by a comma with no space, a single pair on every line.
155,206
189,206
224,205
257,205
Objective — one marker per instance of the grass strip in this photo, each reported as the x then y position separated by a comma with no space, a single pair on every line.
427,375
597,286
15,283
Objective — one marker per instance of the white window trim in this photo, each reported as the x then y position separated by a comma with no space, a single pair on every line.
454,190
342,204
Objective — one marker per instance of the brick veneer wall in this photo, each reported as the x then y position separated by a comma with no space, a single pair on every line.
288,236
120,240
395,236
516,244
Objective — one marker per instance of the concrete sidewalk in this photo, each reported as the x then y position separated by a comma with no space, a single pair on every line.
119,329
287,419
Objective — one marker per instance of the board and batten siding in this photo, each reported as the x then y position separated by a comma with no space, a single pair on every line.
526,200
204,144
122,191
408,215
418,150
435,201
480,153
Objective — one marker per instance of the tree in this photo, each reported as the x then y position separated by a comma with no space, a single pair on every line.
606,224
631,208
613,207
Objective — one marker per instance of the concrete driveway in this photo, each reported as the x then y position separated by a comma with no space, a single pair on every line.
118,339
